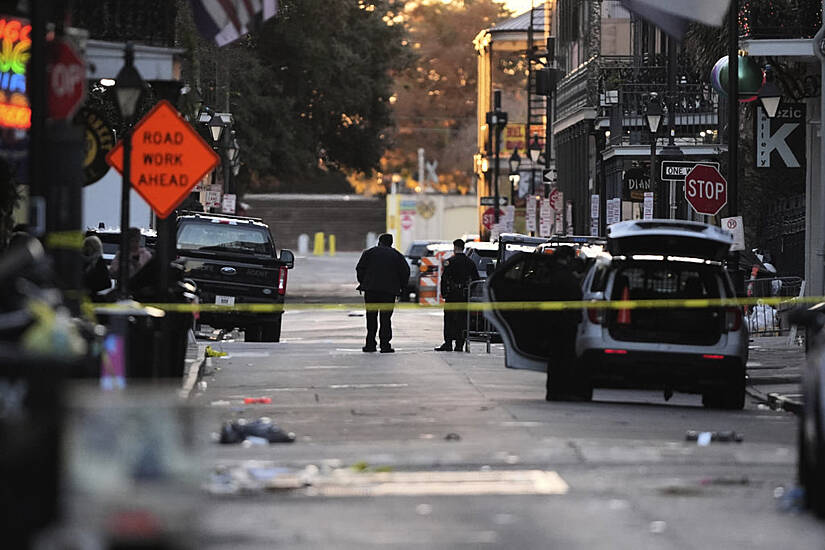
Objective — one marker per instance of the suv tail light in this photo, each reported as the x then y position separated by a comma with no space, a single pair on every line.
733,319
596,315
282,271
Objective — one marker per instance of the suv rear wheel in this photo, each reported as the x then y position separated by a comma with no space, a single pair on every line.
731,396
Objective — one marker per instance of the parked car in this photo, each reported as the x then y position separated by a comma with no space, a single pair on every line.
811,439
674,349
417,250
233,260
483,254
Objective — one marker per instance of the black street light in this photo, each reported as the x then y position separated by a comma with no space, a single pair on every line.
770,95
496,119
653,115
128,89
219,127
515,162
535,152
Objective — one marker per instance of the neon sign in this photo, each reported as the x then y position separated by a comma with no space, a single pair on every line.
15,46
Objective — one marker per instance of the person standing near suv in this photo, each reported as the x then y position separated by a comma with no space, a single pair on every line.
459,272
382,275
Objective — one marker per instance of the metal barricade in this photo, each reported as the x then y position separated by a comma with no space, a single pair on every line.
765,319
478,328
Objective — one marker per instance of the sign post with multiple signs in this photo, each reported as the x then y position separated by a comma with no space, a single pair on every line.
168,158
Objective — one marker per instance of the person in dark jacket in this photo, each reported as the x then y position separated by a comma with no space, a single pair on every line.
459,271
383,274
566,380
95,272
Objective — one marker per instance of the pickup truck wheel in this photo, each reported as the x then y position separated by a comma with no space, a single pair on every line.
271,331
252,333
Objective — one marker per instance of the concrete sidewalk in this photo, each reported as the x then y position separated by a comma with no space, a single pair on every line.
774,371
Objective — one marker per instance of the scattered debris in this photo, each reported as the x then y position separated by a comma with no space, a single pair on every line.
215,353
220,403
237,431
363,467
658,527
257,400
202,385
424,509
452,436
355,314
705,438
792,501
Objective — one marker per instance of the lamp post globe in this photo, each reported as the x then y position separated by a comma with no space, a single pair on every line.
535,149
770,95
128,85
515,161
653,115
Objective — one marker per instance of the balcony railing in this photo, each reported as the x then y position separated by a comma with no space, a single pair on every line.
696,112
150,22
780,19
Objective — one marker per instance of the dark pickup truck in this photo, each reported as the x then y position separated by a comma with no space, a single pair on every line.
233,261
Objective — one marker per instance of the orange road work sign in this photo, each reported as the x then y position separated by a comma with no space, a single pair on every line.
168,158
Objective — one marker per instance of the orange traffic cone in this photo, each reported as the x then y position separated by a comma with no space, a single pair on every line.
623,318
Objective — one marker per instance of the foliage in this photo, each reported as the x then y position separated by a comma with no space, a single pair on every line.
435,97
309,91
758,189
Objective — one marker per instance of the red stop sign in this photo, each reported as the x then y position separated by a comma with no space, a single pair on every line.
488,217
706,190
66,80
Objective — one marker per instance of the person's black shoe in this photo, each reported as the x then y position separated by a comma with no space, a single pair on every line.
368,349
387,350
446,346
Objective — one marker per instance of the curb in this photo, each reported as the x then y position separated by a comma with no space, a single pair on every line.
194,367
776,379
786,402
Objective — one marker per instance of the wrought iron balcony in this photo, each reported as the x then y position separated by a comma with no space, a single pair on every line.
778,19
697,114
150,22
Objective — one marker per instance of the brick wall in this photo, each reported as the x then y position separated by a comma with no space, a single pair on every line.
348,217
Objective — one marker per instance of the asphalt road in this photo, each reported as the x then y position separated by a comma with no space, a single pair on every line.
421,449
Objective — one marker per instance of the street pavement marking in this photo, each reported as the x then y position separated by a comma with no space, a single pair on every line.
346,483
364,386
326,367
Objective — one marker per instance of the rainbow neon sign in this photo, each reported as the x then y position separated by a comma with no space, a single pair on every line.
15,46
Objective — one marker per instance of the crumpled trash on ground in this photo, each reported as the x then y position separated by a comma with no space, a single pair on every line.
215,353
790,500
761,318
250,477
705,438
238,431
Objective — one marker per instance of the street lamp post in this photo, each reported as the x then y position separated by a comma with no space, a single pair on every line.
654,119
514,161
219,127
770,95
498,119
128,89
535,152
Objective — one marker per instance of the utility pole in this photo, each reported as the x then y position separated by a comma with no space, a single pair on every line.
815,193
733,135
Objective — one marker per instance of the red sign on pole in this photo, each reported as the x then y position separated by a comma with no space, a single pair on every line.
66,79
488,217
706,190
168,158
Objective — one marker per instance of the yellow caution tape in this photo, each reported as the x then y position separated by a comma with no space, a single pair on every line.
69,240
700,303
214,353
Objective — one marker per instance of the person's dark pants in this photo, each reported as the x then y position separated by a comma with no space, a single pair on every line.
373,301
455,323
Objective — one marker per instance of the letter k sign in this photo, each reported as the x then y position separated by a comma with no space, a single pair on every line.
767,143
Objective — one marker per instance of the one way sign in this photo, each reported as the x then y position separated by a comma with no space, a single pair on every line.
780,141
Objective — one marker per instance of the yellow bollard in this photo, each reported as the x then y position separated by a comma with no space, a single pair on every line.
332,245
319,244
